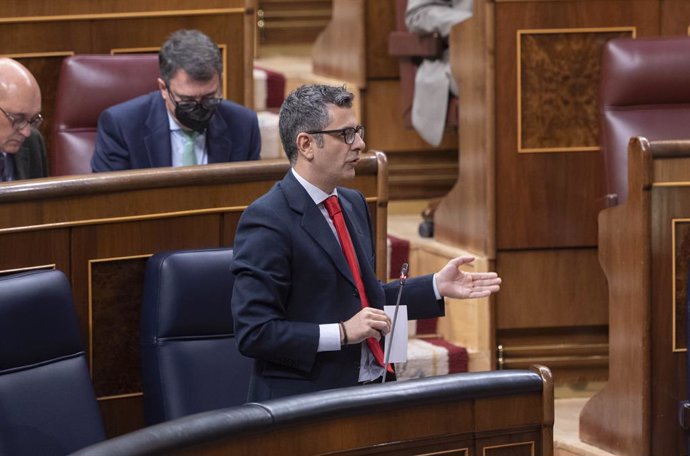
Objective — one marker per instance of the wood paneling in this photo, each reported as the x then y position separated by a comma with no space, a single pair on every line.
291,21
466,215
417,171
575,355
340,50
100,229
42,8
675,17
530,173
558,190
383,121
543,288
380,22
558,85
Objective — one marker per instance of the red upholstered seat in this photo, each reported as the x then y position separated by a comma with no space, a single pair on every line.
645,91
275,88
88,85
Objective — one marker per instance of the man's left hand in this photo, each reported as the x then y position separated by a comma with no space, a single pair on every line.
455,283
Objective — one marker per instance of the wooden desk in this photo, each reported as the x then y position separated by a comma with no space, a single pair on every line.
469,414
100,229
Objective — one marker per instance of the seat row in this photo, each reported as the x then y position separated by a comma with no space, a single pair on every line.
190,362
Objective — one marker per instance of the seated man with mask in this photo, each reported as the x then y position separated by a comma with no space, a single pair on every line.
186,122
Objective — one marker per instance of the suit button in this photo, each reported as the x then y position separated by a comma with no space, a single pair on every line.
355,293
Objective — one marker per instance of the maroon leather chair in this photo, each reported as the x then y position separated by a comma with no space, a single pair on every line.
644,91
88,85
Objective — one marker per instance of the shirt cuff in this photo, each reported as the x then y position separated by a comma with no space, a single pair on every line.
436,292
329,337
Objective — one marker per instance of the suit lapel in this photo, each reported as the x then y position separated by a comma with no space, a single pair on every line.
158,147
20,163
218,143
314,223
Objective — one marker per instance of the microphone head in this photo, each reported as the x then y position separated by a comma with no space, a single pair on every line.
403,272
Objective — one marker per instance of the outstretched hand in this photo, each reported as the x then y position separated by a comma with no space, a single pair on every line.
454,283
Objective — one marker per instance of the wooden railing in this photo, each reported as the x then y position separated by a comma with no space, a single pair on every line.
100,229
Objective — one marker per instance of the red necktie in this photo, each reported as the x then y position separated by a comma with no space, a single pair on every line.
335,212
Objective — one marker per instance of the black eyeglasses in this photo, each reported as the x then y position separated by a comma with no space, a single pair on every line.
20,122
347,133
190,105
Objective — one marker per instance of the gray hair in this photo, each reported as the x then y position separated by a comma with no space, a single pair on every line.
191,51
305,109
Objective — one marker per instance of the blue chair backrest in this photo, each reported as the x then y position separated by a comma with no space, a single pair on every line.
47,402
190,362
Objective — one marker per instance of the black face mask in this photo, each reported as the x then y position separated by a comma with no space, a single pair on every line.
194,114
197,119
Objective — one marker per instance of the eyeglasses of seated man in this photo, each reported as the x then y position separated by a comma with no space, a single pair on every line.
20,121
194,112
348,133
189,104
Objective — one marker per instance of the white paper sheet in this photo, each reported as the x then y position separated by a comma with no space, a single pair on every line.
398,349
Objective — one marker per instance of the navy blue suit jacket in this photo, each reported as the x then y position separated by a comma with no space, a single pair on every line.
291,276
136,134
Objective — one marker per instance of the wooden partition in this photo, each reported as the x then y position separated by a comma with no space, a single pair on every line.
100,230
531,175
644,248
354,49
281,22
41,33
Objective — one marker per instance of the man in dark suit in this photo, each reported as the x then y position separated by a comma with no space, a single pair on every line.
297,306
186,122
22,151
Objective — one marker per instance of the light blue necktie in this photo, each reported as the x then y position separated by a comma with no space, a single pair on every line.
188,155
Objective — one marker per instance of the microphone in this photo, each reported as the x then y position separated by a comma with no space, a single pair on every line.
403,278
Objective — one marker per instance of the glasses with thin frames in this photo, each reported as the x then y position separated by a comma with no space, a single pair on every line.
348,133
20,122
190,105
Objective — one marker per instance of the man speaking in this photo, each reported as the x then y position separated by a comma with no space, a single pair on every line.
306,302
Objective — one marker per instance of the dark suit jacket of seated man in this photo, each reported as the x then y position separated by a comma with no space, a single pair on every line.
31,161
136,134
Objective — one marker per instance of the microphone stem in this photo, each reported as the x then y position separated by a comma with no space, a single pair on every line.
390,340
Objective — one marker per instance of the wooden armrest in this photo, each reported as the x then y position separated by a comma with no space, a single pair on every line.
406,44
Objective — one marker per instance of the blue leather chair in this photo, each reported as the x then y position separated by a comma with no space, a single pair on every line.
47,402
190,362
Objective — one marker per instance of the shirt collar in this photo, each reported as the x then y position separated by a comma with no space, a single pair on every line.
172,122
177,129
315,193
